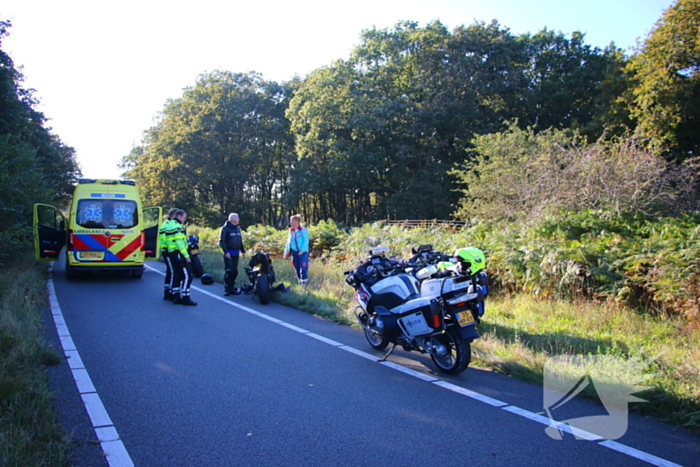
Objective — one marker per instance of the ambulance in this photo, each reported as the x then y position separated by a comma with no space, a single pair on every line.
106,229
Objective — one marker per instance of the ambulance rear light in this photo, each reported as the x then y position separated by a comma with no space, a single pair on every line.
70,240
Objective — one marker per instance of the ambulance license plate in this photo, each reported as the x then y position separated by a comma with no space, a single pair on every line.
90,255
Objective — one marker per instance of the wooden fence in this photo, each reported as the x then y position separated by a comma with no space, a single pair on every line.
427,223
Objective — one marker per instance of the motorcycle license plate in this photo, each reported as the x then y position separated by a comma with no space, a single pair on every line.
194,251
465,318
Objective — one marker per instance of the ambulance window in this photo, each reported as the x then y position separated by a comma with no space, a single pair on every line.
107,214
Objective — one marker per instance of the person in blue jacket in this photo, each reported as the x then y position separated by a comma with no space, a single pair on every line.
231,243
298,248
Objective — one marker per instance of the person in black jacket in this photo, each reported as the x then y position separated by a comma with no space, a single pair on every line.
231,243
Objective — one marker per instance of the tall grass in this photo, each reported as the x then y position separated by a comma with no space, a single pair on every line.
30,434
520,331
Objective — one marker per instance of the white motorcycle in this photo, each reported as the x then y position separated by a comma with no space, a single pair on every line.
437,316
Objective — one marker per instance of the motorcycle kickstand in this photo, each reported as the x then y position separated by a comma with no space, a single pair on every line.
393,346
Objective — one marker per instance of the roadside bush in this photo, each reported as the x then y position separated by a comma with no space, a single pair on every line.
522,175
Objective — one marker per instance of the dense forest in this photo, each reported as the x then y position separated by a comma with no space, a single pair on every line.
35,166
393,131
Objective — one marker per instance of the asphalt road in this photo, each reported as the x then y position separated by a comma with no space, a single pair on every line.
235,383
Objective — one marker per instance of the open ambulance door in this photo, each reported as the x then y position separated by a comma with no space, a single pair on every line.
151,241
49,232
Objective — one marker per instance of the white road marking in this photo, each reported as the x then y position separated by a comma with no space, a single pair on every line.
113,447
641,455
408,371
469,393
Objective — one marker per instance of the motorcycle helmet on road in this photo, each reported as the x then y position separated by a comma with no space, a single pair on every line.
207,279
470,258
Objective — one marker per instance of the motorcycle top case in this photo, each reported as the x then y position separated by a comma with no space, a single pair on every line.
448,287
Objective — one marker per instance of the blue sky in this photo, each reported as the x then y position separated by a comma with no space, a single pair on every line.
102,70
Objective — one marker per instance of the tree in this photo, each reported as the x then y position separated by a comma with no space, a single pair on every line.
35,166
224,146
666,93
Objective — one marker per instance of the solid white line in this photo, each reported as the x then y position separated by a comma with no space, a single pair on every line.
113,448
324,339
449,386
360,353
408,371
636,453
469,393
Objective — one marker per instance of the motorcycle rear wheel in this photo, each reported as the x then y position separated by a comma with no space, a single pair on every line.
376,340
459,352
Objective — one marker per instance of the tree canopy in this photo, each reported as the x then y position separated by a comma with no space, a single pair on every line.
379,134
666,71
35,166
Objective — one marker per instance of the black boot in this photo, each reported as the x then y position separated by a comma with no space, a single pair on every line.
187,301
227,291
168,295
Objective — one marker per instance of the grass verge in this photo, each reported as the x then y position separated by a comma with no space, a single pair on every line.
29,430
520,333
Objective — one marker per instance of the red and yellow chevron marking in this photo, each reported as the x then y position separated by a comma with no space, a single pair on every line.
116,247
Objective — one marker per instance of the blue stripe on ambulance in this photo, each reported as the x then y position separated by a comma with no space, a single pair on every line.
92,242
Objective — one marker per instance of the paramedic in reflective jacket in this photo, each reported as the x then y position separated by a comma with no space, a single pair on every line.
231,243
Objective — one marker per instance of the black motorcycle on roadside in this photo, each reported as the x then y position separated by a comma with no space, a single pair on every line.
261,274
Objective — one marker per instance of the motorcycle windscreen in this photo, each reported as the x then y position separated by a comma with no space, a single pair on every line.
49,232
151,219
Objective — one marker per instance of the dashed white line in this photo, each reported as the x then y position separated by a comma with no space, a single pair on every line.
113,447
641,455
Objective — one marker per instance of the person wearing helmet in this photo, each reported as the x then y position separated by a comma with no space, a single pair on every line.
169,276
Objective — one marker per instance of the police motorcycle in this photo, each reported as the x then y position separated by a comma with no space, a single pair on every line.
393,307
193,250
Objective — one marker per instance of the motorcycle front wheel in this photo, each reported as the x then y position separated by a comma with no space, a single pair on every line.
262,288
458,353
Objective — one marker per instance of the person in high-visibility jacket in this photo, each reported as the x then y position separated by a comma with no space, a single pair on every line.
163,239
176,239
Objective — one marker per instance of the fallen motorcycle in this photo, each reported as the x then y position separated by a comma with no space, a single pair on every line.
437,316
261,274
